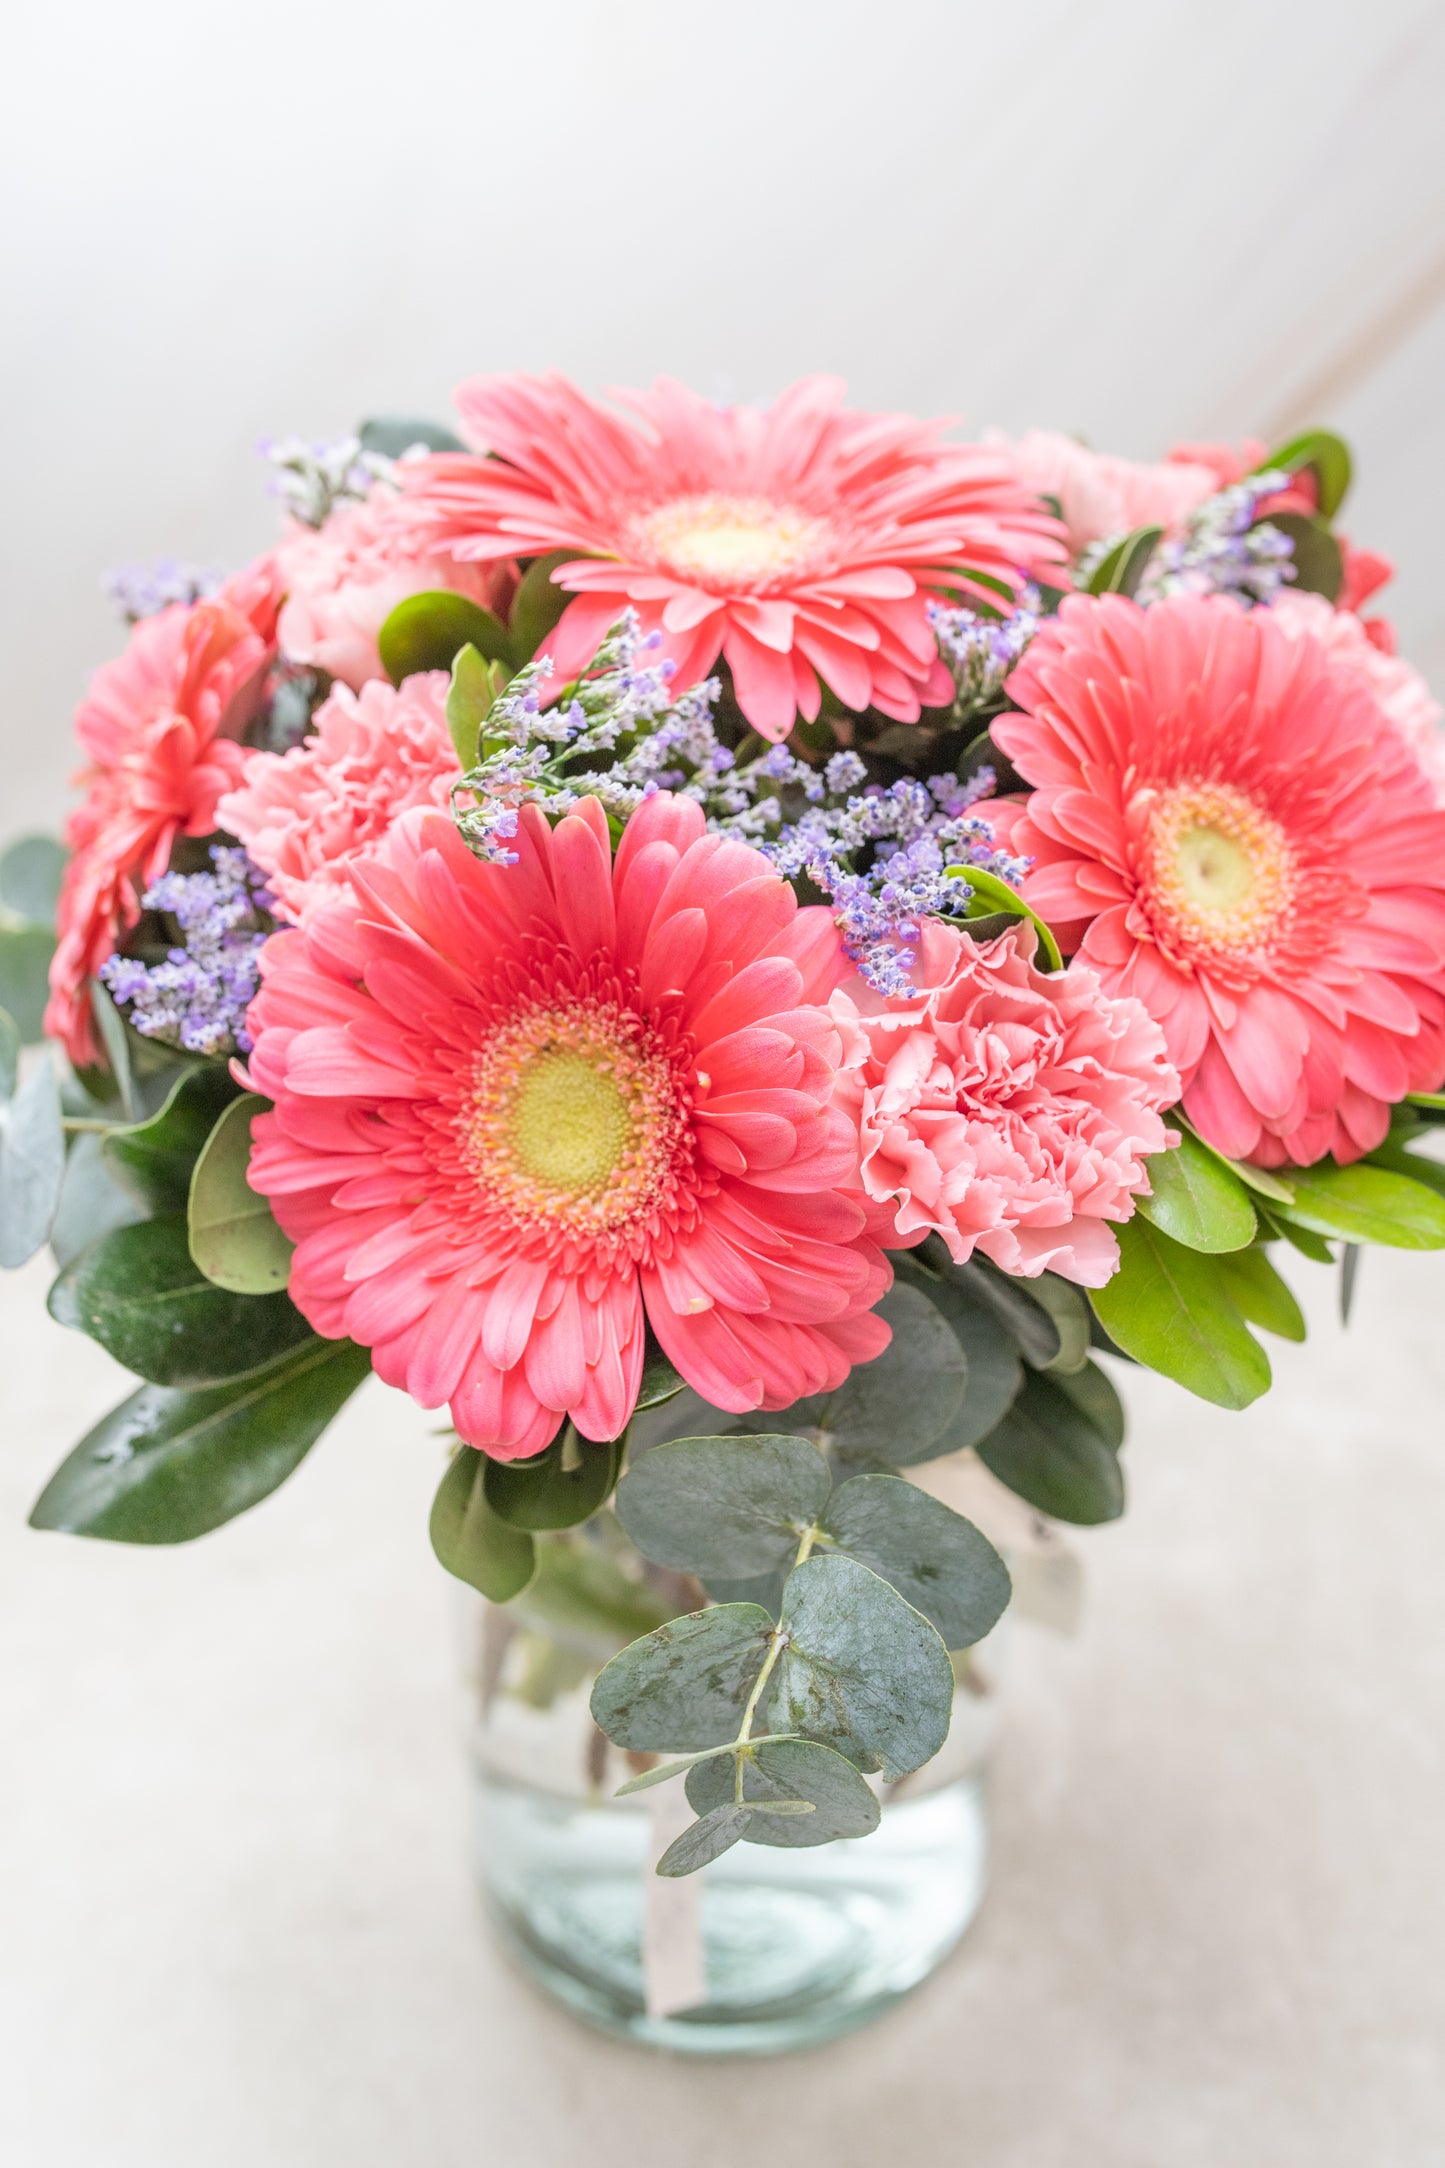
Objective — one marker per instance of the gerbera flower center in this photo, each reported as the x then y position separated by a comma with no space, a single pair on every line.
1222,870
576,1122
731,544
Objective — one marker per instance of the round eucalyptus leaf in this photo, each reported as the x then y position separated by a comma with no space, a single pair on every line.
895,1407
685,1685
32,1164
428,631
995,1371
234,1236
543,1493
393,434
1048,1451
780,1772
705,1841
25,953
31,872
731,1507
140,1294
860,1668
92,1202
470,1540
1197,1200
938,1561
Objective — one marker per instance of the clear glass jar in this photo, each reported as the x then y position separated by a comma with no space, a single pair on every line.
767,1949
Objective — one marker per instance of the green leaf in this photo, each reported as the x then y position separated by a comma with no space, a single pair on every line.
166,1466
1416,1165
31,872
996,895
895,1407
234,1236
1319,565
154,1160
470,698
938,1561
545,1492
1092,1392
1261,1295
92,1203
860,1668
1197,1200
705,1841
583,1600
1071,1314
1012,1302
994,1374
393,434
779,1773
687,1684
1121,570
1435,1101
471,1541
665,1771
1327,457
115,1043
426,632
9,1055
537,604
724,1506
1171,1308
1274,1225
25,953
660,1382
1049,1451
139,1294
1367,1204
1349,1273
32,1163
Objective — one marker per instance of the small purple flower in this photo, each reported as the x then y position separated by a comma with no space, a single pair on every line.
197,999
139,591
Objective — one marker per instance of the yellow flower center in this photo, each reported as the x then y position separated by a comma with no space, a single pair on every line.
1222,872
741,543
576,1122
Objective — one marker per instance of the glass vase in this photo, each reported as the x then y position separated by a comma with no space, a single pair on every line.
766,1950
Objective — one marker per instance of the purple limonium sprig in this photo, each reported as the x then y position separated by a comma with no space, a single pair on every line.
313,479
1222,551
197,999
139,591
980,651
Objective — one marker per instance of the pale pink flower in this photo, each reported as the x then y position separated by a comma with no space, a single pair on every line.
159,725
1006,1110
1100,495
344,579
1221,827
304,814
1399,691
523,1111
802,541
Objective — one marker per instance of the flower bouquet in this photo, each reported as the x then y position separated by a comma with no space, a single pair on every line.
738,952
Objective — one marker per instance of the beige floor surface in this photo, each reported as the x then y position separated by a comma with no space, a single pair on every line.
237,1928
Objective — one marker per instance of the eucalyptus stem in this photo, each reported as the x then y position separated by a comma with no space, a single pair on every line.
776,1640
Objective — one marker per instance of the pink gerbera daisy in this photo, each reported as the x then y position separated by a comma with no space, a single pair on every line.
159,724
1004,1108
522,1110
1222,828
304,814
800,542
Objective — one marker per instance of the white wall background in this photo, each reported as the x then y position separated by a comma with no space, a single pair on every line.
1137,219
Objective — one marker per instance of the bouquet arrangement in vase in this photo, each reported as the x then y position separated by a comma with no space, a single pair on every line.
736,952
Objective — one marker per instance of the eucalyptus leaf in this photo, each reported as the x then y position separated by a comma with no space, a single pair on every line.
470,1540
9,1054
138,1293
939,1562
685,1685
545,1493
538,604
994,1373
704,1841
1012,1302
166,1466
1261,1295
92,1202
780,1773
1197,1200
860,1668
1049,1451
234,1236
1093,1394
31,872
895,1407
663,1772
1171,1308
154,1159
1367,1204
393,434
32,1163
25,953
724,1506
427,631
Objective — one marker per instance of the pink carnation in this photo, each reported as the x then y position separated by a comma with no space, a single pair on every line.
523,1111
1008,1111
159,724
1101,495
344,580
1399,691
373,755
